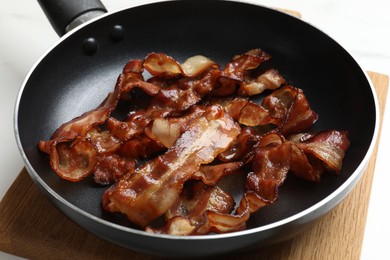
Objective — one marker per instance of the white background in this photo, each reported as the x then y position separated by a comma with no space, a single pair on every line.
362,27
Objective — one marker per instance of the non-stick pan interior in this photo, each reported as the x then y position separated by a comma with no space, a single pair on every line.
68,82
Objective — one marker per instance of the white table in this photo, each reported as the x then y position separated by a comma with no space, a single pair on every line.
362,27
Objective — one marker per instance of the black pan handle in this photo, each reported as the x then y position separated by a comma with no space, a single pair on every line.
65,15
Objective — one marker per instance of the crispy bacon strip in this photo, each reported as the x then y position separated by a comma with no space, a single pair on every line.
328,147
186,92
156,185
135,66
131,78
211,174
162,65
175,99
235,72
140,147
247,112
135,123
290,106
73,157
207,210
234,106
187,215
254,115
196,65
275,157
167,130
111,167
240,64
270,79
242,148
180,95
80,126
304,166
224,223
104,141
129,81
164,132
72,161
270,167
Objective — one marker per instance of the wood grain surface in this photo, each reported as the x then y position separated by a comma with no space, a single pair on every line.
31,227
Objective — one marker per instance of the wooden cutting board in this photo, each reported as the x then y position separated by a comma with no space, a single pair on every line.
31,227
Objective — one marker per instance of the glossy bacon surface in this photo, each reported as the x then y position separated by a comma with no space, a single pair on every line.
270,79
290,106
240,64
188,216
276,157
72,156
154,187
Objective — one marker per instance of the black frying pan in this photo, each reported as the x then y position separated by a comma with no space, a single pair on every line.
77,73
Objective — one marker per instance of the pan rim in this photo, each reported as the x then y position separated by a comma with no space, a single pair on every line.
349,183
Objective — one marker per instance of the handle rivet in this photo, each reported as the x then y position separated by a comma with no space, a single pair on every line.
117,33
90,46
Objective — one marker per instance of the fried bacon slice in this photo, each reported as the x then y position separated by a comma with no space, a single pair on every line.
111,167
167,130
237,68
72,161
290,106
196,65
80,126
187,215
154,187
72,156
242,148
270,167
130,80
186,92
211,174
276,156
162,65
140,147
254,115
329,147
202,209
247,112
135,123
270,79
104,141
175,99
287,109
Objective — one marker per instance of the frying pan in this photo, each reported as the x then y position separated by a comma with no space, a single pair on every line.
76,74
